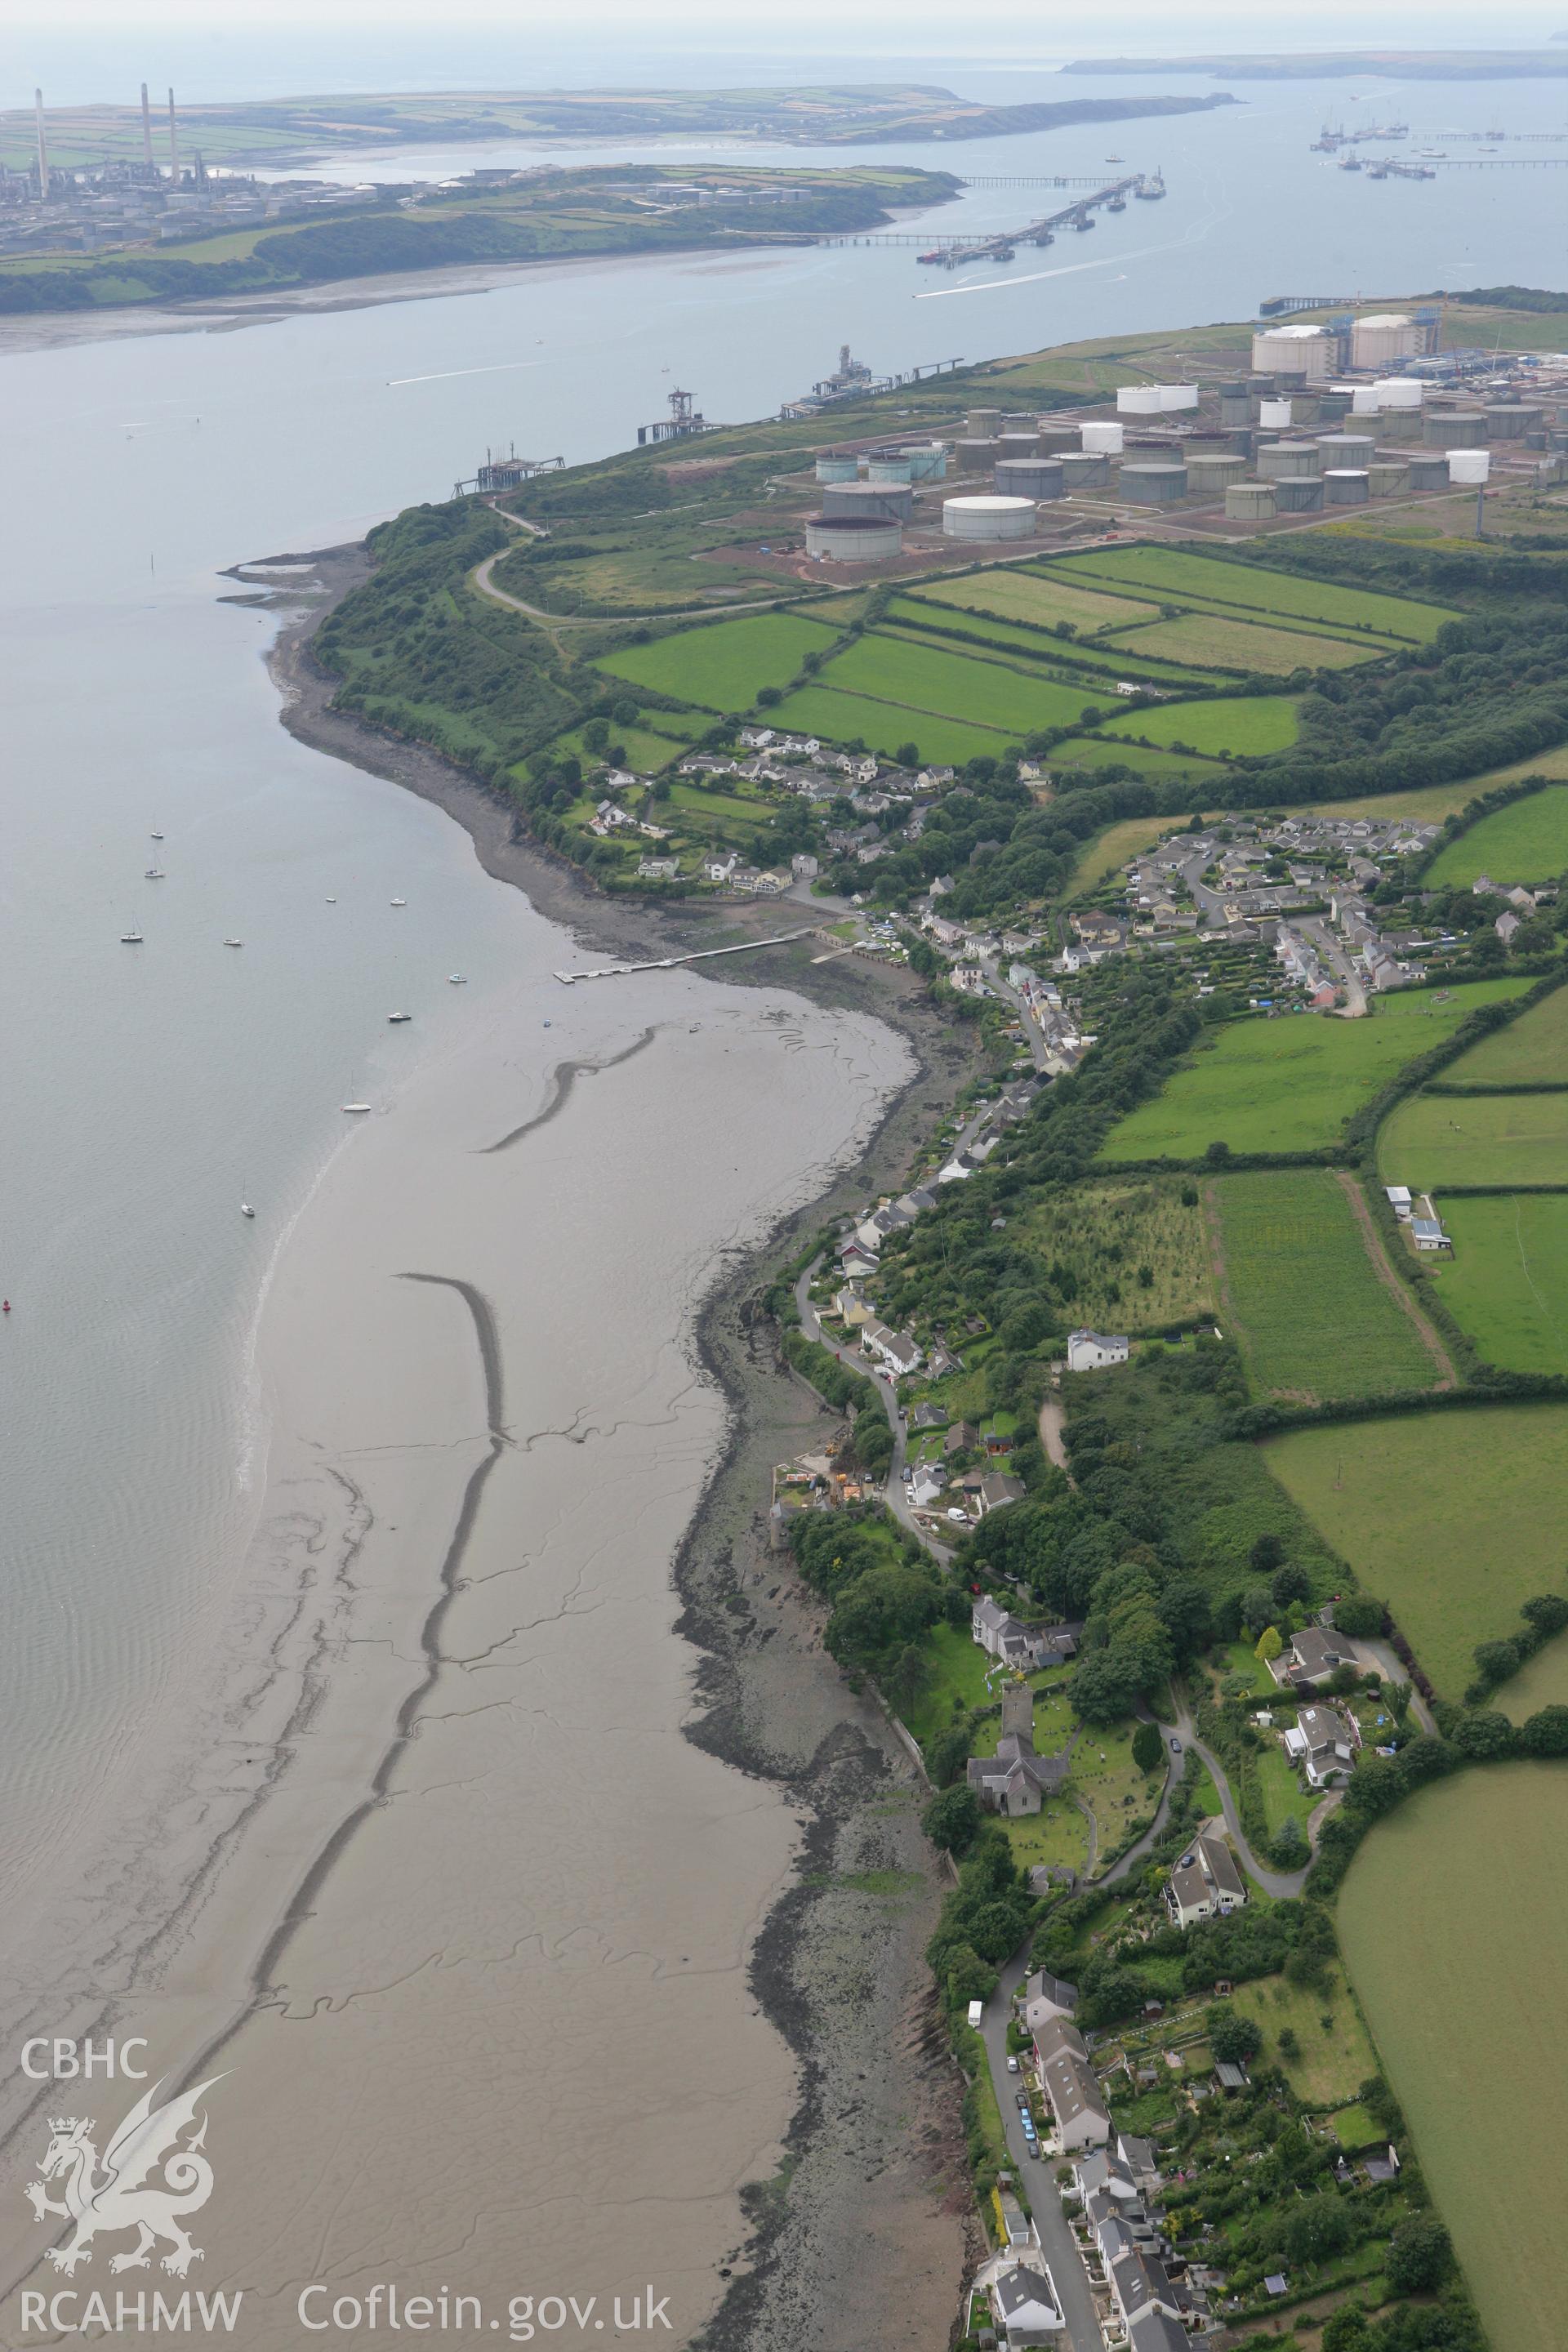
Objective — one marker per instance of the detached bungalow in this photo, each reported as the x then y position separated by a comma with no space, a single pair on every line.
1312,1655
998,1490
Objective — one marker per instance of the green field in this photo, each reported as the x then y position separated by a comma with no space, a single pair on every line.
1454,1517
1526,842
1469,2038
1315,1320
930,678
1103,751
1437,1140
1243,725
646,752
1334,2062
1094,659
1171,574
885,726
723,667
1215,642
1531,1051
1289,1084
1507,1282
1019,595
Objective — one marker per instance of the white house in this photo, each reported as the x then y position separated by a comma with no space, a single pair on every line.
1089,1352
1070,2083
1399,1201
1323,1742
718,870
895,1350
1204,1883
1028,2308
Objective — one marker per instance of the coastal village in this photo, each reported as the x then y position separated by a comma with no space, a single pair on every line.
1174,1386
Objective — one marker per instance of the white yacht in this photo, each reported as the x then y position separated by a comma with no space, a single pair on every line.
400,902
457,980
234,943
396,1017
130,939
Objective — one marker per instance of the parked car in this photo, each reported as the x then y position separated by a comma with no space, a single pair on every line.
1035,2150
1175,1746
1012,2066
1023,2099
961,1516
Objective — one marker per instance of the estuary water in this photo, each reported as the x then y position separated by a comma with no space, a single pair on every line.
240,1455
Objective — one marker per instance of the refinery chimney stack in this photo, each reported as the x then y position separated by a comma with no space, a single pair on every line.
43,148
146,130
174,146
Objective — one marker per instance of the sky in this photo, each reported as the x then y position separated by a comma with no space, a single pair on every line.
85,49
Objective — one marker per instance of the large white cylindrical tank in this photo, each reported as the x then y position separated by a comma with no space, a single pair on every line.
1273,415
1364,401
853,539
1399,391
1138,400
1293,351
1106,440
1470,465
994,517
1177,396
1385,336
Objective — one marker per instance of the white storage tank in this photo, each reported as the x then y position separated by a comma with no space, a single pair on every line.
1273,416
1293,351
1385,336
853,539
1138,400
1399,391
1106,440
1469,467
1364,401
992,518
1174,396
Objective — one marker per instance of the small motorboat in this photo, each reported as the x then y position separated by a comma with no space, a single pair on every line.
356,1108
131,939
400,902
396,1017
155,873
156,836
332,902
234,943
245,1210
457,980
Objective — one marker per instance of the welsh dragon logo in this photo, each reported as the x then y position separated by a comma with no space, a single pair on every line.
125,2195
